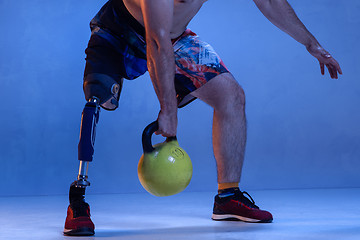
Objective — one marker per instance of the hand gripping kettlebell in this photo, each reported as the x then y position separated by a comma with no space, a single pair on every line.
164,169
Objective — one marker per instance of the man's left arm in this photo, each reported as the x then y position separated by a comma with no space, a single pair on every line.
282,15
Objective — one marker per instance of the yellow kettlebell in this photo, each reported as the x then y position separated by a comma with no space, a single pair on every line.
164,169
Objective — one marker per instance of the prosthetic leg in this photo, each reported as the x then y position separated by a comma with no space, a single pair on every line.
78,222
100,90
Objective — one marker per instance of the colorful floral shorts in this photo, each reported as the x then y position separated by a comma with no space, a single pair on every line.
111,57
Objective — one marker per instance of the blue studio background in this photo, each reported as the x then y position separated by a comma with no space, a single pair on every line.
303,128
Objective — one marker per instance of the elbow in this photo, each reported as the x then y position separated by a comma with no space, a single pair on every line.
262,4
158,39
270,8
267,4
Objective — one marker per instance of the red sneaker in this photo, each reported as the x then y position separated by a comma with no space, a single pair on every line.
78,222
232,205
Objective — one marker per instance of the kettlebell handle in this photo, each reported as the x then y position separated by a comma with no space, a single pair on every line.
146,137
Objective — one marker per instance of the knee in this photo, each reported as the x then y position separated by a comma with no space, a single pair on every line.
239,96
234,100
223,93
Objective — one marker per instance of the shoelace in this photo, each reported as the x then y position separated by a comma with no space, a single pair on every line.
251,202
80,208
240,196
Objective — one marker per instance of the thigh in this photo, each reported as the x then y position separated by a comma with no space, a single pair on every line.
114,55
110,59
221,91
196,64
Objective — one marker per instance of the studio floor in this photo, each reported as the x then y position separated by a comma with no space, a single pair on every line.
298,214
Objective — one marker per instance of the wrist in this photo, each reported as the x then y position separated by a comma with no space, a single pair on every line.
169,109
312,43
169,105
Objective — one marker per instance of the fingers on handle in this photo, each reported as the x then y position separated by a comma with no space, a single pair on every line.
162,133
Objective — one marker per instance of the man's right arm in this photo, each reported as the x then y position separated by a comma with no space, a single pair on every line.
157,15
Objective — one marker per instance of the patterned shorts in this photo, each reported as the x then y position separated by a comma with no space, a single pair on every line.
196,64
110,58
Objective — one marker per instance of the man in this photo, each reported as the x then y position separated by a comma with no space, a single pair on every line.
117,50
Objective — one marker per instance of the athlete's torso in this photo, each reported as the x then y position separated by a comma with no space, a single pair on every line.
184,11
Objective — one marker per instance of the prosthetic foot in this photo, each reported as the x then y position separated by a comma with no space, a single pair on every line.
78,221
